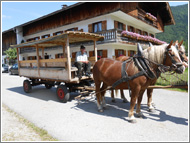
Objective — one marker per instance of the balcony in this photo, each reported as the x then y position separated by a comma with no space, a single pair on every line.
117,36
142,16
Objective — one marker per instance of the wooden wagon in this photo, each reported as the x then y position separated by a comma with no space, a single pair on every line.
58,71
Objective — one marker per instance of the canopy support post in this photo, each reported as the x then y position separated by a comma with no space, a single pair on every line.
43,53
95,50
68,59
18,60
38,59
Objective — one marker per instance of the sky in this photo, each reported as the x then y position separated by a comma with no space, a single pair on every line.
16,13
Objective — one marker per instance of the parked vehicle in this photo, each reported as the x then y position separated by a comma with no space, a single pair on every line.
5,68
14,69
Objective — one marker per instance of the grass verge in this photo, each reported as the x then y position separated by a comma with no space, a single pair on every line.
41,132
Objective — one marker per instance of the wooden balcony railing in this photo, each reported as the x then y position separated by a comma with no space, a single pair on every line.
141,16
108,34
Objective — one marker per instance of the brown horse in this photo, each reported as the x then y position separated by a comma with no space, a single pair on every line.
150,102
108,71
121,58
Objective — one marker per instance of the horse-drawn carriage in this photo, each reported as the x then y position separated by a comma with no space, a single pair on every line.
136,73
51,72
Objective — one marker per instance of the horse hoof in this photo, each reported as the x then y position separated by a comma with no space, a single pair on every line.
133,121
151,110
125,101
105,107
113,101
141,115
100,110
153,104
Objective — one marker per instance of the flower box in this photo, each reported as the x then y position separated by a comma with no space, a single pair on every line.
150,17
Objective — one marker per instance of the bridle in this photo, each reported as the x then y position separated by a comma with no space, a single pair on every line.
175,64
180,54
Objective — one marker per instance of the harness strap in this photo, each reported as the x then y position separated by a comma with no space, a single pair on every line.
125,77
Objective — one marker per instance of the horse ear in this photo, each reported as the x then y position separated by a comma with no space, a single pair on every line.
180,43
169,46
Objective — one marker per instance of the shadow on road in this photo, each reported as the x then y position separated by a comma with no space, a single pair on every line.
40,92
116,110
120,110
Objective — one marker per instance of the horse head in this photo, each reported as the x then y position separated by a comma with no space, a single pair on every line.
172,59
181,50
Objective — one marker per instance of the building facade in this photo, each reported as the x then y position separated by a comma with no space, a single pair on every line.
105,18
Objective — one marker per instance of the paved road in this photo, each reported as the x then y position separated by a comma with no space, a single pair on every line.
73,122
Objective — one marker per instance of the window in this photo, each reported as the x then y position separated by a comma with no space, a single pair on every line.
145,33
151,35
30,39
120,53
60,55
46,36
131,29
139,31
97,27
58,33
120,26
72,29
100,54
36,38
131,53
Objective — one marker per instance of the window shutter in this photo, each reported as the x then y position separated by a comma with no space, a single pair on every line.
124,27
90,28
128,28
129,53
56,56
104,25
116,24
91,53
125,52
134,30
104,54
74,54
116,53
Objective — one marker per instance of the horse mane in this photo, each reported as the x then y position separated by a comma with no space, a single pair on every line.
155,53
182,48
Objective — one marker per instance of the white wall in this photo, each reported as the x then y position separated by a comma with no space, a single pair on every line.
81,25
19,34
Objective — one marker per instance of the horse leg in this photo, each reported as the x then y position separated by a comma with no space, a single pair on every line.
150,102
112,96
134,95
103,91
123,97
138,110
98,95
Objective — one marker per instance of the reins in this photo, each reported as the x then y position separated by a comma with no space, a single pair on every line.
125,78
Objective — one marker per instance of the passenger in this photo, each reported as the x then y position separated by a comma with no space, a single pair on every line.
46,56
82,61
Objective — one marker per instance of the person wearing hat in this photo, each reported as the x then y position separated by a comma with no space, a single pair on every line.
82,61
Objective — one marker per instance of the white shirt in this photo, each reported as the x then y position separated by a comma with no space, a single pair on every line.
81,57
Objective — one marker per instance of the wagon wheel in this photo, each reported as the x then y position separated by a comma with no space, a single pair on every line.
27,86
62,93
48,86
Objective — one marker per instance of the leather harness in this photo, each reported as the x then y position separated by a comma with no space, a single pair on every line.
144,67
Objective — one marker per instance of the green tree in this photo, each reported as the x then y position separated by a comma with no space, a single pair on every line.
11,54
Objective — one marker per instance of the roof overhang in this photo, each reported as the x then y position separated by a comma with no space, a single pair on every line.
135,21
74,37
